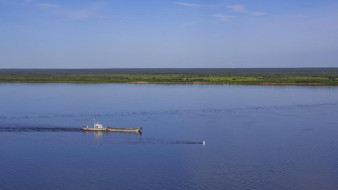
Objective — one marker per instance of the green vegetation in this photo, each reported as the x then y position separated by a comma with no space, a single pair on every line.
299,76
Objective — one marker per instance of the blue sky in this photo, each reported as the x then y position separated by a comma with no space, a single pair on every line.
165,33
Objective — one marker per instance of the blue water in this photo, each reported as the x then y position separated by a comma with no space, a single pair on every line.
257,137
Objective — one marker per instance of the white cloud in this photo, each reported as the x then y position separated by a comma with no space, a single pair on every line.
48,5
222,16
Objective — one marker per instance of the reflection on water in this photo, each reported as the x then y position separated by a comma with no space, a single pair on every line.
97,137
98,134
259,137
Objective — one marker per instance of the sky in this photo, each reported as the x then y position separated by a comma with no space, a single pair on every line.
168,33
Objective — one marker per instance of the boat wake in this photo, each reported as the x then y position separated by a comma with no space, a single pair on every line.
38,129
166,142
97,133
60,129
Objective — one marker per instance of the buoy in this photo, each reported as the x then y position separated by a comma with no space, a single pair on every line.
203,143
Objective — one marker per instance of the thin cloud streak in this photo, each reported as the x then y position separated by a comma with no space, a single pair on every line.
75,14
48,5
237,8
222,16
188,4
79,14
257,13
84,13
195,5
241,9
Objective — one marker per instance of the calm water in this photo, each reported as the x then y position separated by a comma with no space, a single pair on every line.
257,137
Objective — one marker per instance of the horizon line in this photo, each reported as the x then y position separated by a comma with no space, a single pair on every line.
169,68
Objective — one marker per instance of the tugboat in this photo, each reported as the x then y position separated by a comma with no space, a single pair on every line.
99,127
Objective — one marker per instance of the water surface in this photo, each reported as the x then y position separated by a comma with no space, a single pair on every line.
257,137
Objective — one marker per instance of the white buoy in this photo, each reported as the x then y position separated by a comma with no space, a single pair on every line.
203,142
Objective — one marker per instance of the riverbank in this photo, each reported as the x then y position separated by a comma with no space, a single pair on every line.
285,76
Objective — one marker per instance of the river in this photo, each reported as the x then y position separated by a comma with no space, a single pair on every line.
257,137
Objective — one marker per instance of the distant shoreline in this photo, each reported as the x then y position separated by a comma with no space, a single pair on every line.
252,76
173,83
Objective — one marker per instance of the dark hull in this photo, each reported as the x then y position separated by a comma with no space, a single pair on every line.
110,129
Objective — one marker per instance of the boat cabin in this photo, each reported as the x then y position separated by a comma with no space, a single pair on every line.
98,126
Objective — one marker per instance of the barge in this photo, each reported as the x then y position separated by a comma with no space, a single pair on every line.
99,127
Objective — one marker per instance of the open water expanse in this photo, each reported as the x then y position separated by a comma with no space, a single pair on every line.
257,137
